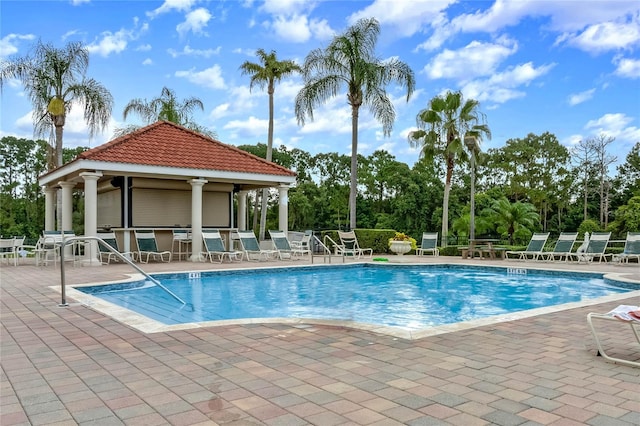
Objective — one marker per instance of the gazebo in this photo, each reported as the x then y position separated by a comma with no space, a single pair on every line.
163,177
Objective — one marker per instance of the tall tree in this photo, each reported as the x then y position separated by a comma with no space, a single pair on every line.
442,127
165,107
350,60
584,157
603,161
266,73
54,80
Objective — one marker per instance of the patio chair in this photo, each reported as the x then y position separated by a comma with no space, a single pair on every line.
48,246
7,250
180,243
429,244
534,248
106,255
148,247
631,249
596,247
303,246
563,247
250,246
281,245
349,245
214,247
621,315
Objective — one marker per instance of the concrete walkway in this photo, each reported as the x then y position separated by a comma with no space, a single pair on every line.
75,365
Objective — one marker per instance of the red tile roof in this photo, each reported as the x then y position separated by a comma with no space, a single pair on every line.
167,144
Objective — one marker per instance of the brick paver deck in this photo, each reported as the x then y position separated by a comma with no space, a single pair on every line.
74,365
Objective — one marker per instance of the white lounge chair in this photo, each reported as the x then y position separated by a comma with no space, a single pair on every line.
251,247
623,316
148,247
106,255
349,245
563,247
7,250
631,249
534,248
597,245
281,245
214,247
303,246
429,244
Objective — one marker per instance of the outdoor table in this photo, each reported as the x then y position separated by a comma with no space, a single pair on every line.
487,248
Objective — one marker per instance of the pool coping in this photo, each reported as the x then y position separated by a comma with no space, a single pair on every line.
147,325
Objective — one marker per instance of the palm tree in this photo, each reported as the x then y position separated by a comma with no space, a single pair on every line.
54,80
269,71
513,218
441,131
165,107
350,60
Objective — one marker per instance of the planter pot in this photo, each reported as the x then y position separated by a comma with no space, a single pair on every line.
400,247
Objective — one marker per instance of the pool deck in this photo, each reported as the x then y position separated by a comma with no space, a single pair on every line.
76,365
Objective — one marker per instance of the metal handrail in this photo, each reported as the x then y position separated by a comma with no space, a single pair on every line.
327,250
118,255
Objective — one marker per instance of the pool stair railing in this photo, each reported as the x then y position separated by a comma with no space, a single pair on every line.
325,245
116,253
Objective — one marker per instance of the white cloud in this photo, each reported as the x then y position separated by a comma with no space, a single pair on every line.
595,26
407,17
220,111
475,59
143,48
8,43
627,68
290,21
172,5
188,51
501,87
195,21
211,77
285,6
294,29
578,98
110,43
147,61
616,126
607,36
250,128
116,42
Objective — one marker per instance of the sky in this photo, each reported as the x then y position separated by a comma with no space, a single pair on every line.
571,68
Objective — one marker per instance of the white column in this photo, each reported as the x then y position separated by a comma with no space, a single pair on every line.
196,218
242,210
67,211
91,251
283,208
49,209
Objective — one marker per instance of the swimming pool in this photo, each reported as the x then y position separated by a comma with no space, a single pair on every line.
404,297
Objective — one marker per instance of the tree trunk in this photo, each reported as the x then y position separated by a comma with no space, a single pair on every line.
265,191
59,125
353,192
256,205
445,203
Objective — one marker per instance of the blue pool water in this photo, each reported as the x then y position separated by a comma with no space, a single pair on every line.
409,297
